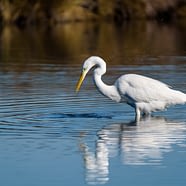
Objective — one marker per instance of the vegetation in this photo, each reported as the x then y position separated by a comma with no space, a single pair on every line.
42,11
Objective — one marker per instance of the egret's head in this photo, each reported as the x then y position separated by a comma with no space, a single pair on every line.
87,65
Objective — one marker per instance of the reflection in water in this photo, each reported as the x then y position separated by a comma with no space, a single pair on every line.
142,143
128,44
97,165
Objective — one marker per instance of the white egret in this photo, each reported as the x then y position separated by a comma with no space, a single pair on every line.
144,94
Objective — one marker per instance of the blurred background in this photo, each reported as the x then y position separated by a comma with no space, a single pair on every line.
121,31
44,11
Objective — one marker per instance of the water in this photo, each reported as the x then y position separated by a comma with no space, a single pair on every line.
51,136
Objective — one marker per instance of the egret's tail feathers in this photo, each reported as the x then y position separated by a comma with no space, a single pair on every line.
174,97
177,97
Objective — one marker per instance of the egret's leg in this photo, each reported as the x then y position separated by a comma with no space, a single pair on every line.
146,114
138,114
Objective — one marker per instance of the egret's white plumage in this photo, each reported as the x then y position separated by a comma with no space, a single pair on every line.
143,93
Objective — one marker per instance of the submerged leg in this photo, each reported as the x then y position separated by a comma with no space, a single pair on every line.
146,114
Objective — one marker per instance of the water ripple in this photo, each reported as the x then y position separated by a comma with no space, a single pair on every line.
84,115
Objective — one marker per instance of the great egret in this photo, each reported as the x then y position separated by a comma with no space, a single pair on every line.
142,93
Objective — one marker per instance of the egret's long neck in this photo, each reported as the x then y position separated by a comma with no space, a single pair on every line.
107,90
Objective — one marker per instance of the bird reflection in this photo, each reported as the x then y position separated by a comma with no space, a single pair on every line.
137,143
96,164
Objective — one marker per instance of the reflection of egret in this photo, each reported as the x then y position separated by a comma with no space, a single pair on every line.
143,93
97,165
150,139
141,143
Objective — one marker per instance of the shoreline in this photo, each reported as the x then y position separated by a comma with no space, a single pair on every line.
120,11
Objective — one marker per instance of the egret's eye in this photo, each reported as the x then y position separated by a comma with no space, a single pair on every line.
84,69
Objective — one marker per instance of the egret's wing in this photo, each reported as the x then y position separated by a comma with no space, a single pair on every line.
142,89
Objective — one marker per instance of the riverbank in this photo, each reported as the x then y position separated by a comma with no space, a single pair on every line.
23,12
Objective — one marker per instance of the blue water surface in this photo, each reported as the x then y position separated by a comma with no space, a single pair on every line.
52,136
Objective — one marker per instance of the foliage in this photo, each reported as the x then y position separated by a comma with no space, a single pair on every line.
37,11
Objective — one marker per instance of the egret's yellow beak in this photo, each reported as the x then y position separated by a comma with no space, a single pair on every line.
82,77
